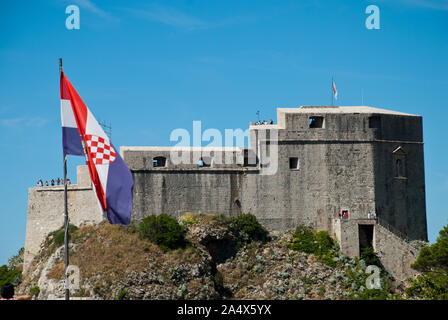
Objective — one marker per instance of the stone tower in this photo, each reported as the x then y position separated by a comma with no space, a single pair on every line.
359,160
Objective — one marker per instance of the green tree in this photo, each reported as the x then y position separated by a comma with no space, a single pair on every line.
433,263
8,275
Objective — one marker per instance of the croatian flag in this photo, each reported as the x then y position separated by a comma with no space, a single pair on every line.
82,135
335,92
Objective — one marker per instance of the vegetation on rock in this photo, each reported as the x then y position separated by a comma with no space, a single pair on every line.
351,271
433,263
247,228
12,272
320,244
370,257
163,230
59,235
206,256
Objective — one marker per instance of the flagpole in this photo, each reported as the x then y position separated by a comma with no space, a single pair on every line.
66,220
331,90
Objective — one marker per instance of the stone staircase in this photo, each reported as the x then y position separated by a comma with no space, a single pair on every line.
395,251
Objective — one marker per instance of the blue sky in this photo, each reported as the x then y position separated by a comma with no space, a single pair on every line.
149,67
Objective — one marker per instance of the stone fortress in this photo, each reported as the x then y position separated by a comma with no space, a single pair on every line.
328,167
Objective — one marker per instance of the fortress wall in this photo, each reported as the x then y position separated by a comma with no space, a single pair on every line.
401,199
331,177
46,211
401,128
353,127
177,192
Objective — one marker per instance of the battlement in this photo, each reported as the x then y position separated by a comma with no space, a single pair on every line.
186,158
347,123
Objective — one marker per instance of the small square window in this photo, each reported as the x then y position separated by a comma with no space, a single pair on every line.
294,163
159,162
316,122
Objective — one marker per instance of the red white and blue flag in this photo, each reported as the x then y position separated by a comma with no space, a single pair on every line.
82,135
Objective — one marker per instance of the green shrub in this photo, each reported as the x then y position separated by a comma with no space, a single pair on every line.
431,286
319,244
370,257
324,243
163,230
221,219
433,262
247,228
34,291
123,295
435,256
328,259
59,235
304,240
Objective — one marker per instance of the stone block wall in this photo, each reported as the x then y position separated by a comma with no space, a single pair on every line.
46,211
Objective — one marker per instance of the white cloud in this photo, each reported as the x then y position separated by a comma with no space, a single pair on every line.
93,8
168,16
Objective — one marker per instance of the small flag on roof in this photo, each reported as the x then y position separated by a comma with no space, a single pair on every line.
335,91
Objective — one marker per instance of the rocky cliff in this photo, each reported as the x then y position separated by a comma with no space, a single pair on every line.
116,263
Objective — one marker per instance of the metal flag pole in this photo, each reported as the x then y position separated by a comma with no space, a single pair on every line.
66,221
331,90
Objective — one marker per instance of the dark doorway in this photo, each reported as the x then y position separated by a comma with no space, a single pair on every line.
365,232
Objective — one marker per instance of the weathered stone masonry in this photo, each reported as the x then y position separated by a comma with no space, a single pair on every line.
329,160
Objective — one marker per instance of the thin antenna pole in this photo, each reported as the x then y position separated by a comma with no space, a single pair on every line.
66,220
362,96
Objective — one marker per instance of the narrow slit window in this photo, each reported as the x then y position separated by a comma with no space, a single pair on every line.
399,166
